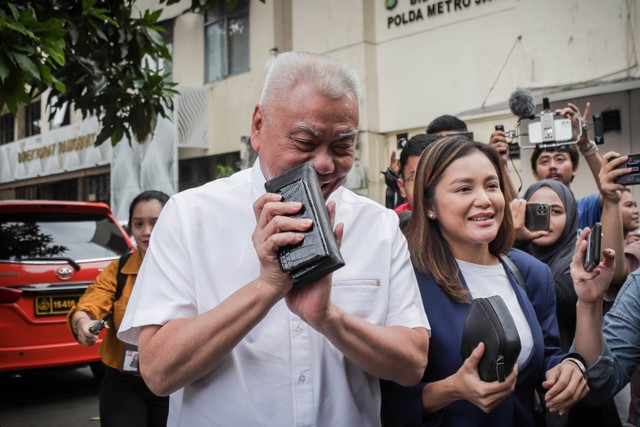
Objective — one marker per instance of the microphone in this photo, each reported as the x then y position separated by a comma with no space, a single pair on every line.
522,104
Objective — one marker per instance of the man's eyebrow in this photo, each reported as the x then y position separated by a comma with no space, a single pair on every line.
305,127
348,134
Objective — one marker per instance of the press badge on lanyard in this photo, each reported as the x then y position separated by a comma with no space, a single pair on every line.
131,359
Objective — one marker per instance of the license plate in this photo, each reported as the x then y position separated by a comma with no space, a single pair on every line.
52,305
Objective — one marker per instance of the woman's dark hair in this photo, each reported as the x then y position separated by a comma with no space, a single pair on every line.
147,196
430,251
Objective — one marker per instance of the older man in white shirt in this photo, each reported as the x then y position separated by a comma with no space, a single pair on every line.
214,314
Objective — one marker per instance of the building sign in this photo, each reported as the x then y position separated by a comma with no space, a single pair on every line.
66,149
401,13
78,143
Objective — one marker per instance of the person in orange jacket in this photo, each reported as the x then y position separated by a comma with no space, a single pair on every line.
125,400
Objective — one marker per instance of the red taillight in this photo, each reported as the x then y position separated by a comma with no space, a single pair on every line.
8,295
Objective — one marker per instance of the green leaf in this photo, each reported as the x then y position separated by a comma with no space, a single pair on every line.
14,11
4,71
27,66
59,86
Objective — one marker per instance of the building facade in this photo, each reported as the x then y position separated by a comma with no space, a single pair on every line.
417,59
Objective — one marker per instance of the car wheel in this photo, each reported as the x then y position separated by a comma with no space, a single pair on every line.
97,369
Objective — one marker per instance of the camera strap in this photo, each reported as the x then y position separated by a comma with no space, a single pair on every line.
130,357
121,278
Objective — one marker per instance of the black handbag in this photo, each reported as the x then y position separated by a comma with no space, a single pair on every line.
489,321
318,254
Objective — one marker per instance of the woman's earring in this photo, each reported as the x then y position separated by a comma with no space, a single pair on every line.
431,215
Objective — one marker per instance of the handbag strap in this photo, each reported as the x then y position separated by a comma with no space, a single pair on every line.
514,270
121,277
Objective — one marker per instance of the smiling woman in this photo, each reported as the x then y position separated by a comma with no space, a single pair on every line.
460,237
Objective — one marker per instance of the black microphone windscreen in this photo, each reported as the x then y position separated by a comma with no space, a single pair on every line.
522,103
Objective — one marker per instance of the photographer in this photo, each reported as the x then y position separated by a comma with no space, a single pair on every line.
408,164
440,126
561,163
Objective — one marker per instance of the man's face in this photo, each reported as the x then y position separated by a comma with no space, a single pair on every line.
405,184
554,165
307,126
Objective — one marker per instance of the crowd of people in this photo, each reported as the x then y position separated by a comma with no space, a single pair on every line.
215,323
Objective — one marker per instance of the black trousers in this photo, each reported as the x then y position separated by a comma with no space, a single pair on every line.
126,401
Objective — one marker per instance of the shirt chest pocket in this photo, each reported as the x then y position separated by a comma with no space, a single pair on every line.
360,297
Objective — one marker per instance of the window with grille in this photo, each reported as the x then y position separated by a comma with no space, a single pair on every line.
7,128
32,119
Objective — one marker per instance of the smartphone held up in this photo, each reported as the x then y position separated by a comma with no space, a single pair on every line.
594,250
537,216
633,177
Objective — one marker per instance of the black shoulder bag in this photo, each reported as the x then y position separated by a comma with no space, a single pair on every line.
489,321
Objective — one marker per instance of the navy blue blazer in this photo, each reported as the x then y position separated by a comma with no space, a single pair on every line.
402,406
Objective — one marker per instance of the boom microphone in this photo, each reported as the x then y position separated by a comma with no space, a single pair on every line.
522,104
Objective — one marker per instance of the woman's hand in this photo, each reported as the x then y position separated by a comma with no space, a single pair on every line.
591,286
85,337
571,111
611,191
484,395
566,385
518,213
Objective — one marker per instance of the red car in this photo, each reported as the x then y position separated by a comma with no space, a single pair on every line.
50,251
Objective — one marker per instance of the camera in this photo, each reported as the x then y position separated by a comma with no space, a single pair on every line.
549,129
510,135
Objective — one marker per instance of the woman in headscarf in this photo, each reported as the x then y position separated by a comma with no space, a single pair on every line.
555,248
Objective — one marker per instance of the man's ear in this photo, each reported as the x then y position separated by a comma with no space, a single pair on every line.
403,191
257,122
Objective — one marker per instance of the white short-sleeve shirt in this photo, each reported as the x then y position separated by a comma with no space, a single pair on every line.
283,372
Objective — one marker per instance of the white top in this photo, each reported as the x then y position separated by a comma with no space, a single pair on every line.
283,372
485,281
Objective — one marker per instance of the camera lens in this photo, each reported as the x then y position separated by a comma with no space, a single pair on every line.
500,127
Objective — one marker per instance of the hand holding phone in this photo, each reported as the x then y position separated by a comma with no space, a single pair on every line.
633,177
594,251
537,216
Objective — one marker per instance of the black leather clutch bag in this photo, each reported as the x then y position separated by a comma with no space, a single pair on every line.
318,254
490,321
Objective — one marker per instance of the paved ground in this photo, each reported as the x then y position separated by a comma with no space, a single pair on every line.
49,398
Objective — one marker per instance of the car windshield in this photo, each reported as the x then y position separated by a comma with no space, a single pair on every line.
54,235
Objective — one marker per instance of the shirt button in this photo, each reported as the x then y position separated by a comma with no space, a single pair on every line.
300,327
301,379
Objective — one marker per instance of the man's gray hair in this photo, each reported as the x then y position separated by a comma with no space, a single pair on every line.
330,76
